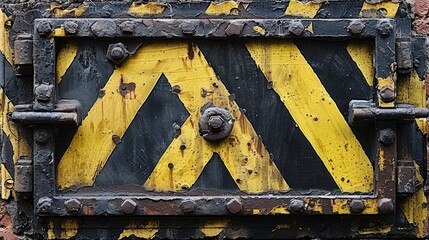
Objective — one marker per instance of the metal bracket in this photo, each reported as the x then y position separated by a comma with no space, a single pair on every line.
362,112
64,112
406,178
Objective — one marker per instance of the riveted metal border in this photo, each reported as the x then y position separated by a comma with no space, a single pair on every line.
48,203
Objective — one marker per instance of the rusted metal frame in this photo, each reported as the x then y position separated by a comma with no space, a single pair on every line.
213,28
47,203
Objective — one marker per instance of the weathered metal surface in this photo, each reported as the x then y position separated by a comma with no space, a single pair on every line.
244,77
23,181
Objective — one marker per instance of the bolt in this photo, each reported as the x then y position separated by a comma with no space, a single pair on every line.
385,205
188,28
44,205
296,205
176,89
41,135
117,53
387,136
116,139
44,28
296,27
356,206
385,28
234,29
71,27
128,206
188,206
387,94
182,146
215,122
72,205
43,92
234,206
356,27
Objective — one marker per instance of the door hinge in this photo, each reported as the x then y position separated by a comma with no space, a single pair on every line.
23,176
404,55
23,54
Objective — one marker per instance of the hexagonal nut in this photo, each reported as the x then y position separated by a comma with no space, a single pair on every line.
44,28
187,206
234,206
117,53
44,205
356,206
385,205
72,205
128,206
296,205
71,27
356,27
43,92
387,94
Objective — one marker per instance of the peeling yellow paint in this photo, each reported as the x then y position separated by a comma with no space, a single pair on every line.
411,90
375,230
416,212
310,28
149,8
58,32
243,154
74,12
259,29
379,10
279,210
145,230
257,212
315,113
68,229
5,177
362,54
298,8
212,228
65,58
222,8
5,48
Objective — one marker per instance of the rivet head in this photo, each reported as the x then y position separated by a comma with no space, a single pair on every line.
296,205
387,136
187,206
215,124
356,206
234,206
296,28
44,205
71,27
385,205
128,206
72,205
356,27
44,28
385,28
387,94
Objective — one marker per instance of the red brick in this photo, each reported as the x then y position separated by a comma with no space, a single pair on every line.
422,25
6,230
422,7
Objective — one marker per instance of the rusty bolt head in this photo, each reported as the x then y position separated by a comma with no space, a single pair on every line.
356,27
41,135
71,27
72,205
43,92
234,206
117,53
187,206
356,206
296,28
387,136
127,27
234,29
296,205
385,28
188,28
387,94
215,122
385,205
44,205
128,206
44,28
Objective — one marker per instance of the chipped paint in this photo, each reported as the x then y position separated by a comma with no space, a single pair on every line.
68,229
74,12
279,210
212,228
65,58
379,10
310,28
259,29
5,177
225,8
301,9
151,8
141,230
5,48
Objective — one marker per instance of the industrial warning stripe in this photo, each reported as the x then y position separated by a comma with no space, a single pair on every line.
90,151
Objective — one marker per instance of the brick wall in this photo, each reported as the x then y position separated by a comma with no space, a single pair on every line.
421,23
5,223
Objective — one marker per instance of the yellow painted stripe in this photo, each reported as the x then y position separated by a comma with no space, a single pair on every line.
5,48
298,8
388,9
361,52
150,8
64,59
212,228
68,229
5,177
226,8
411,90
141,230
243,154
316,113
74,12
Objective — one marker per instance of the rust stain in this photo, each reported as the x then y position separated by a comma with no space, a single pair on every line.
191,49
88,210
127,88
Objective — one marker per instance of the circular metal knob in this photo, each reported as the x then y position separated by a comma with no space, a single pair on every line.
215,124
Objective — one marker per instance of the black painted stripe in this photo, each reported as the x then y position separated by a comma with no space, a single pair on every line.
7,154
215,176
146,139
267,9
340,9
87,74
293,154
342,79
